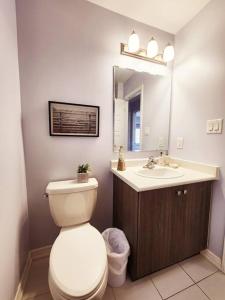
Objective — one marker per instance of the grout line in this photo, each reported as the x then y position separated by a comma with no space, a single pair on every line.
180,291
218,271
203,292
156,288
187,289
187,274
193,283
207,276
196,282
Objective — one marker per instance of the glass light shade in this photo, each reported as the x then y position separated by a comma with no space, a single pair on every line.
168,53
133,42
153,48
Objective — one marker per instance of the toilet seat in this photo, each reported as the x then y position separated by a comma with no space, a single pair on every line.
78,262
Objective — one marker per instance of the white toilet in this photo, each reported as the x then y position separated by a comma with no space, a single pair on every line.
78,260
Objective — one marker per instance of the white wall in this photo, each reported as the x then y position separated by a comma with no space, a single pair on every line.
198,95
67,50
13,212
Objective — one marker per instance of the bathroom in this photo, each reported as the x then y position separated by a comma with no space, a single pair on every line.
68,51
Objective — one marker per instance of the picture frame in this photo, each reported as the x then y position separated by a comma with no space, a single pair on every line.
72,119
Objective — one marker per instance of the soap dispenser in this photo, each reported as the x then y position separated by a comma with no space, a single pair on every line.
121,162
161,161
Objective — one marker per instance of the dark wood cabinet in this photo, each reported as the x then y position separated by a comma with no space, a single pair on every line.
163,226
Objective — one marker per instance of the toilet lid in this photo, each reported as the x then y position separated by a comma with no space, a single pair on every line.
78,261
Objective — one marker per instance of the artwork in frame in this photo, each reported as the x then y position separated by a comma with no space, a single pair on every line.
70,119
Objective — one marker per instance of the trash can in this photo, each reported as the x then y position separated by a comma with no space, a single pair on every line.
118,250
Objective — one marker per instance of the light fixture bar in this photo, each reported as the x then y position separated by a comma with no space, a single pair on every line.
141,54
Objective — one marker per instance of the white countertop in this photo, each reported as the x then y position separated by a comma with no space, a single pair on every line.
192,173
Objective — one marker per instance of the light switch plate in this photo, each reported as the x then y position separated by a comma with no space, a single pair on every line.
214,126
161,142
147,131
180,143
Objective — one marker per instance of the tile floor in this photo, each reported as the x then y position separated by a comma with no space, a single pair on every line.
192,279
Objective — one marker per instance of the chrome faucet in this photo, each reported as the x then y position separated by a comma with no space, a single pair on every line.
151,163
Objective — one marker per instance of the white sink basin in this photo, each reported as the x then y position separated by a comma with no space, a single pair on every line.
159,173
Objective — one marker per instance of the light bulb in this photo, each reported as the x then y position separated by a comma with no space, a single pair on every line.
133,42
153,48
168,53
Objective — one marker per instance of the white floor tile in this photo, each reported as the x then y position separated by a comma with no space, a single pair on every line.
198,267
191,293
171,281
142,289
214,286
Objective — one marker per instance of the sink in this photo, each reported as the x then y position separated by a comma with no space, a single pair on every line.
159,173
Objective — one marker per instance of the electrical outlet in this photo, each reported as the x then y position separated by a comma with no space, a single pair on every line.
161,142
147,131
180,143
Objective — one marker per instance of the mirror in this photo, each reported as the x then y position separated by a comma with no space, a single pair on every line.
141,110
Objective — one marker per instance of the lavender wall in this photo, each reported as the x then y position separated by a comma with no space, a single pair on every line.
198,95
13,212
66,52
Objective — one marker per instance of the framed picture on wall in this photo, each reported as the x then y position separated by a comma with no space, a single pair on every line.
70,119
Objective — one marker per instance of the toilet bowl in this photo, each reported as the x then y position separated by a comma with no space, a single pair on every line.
78,259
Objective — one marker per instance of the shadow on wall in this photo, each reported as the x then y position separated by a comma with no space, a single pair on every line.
23,241
218,204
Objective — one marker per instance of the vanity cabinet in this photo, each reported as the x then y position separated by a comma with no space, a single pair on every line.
163,226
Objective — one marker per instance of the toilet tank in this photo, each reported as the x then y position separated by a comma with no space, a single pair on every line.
72,203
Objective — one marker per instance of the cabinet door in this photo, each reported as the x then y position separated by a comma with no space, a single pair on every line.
196,204
160,221
172,225
125,212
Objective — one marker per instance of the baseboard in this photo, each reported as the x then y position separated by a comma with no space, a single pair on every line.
23,280
215,260
32,255
223,260
40,252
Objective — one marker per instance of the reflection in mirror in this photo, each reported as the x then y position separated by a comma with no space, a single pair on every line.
141,110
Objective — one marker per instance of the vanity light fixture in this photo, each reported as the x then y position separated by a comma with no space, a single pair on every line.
168,53
150,54
152,48
133,42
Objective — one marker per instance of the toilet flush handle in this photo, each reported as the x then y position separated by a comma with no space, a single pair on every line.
45,195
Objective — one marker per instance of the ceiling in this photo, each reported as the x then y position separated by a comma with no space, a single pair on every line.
167,15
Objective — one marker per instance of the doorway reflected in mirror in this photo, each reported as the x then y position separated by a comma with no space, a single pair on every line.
134,123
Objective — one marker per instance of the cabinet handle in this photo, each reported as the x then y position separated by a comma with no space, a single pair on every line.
179,193
185,192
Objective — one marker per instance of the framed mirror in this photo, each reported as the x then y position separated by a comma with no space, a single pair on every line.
141,110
